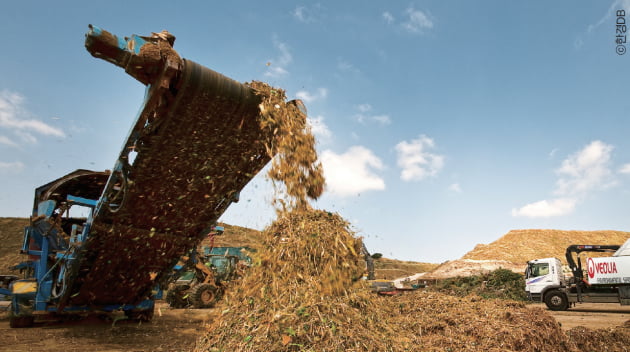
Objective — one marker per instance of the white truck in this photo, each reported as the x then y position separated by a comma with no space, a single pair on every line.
604,280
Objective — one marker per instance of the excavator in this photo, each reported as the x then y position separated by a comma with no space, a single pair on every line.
195,143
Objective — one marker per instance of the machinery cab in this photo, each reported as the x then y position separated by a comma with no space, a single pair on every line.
542,274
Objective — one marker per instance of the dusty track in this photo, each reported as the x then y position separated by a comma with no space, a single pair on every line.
591,315
170,330
178,329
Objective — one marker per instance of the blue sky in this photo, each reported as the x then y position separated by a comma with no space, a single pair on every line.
440,124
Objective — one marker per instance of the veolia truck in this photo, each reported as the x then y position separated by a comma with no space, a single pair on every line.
604,280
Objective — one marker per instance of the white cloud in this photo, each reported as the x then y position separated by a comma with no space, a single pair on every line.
544,208
585,170
319,128
364,107
345,66
15,166
277,67
417,21
624,169
612,10
308,97
364,115
307,14
7,141
388,17
455,187
16,119
608,17
417,161
579,174
352,172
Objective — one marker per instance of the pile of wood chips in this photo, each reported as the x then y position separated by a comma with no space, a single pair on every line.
303,294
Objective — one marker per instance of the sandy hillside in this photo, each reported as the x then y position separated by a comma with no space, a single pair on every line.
11,236
519,246
514,249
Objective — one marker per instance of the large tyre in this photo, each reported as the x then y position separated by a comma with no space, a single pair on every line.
204,295
22,321
556,300
140,315
175,297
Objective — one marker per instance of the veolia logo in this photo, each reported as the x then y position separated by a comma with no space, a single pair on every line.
601,268
591,268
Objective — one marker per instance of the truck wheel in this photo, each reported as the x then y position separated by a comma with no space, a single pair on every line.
556,300
204,295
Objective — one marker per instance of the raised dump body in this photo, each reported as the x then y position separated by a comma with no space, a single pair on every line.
195,144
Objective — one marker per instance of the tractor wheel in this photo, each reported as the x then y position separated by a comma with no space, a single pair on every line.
204,295
556,300
140,315
22,321
175,297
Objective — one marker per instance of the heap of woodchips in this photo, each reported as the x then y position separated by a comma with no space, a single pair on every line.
305,293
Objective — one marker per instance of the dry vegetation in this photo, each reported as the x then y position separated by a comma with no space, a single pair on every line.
519,246
11,236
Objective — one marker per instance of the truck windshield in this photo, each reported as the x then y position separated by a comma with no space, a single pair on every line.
537,269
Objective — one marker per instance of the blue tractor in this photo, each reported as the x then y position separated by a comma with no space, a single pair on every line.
202,277
195,143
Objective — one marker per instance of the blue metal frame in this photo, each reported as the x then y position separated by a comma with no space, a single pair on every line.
45,259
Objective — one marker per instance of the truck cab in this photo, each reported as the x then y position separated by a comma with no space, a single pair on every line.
542,275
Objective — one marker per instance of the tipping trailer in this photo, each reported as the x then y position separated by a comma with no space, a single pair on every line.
195,143
604,280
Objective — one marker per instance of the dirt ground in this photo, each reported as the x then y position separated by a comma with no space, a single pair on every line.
170,330
591,315
177,330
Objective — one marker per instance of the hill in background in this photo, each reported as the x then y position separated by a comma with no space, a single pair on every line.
11,237
12,234
520,246
513,250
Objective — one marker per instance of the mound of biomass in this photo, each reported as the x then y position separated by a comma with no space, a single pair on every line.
303,295
615,339
301,291
520,246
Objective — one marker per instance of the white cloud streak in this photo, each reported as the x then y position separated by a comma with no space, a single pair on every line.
388,17
14,167
364,115
7,141
319,128
277,67
545,209
417,21
580,174
625,169
455,187
416,159
352,172
307,14
15,118
308,97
